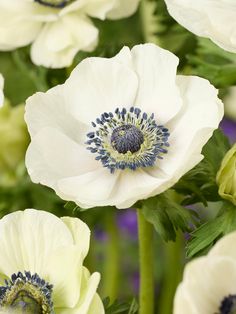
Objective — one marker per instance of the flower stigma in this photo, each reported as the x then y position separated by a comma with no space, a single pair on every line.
54,3
228,305
127,139
27,294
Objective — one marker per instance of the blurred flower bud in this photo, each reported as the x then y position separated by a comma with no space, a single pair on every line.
226,177
230,103
13,142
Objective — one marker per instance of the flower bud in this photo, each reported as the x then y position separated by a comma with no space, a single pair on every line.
13,142
226,176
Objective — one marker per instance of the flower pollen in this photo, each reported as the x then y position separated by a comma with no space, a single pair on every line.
26,293
127,139
228,305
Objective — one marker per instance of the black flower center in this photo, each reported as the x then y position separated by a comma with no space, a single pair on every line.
228,305
127,138
27,294
54,3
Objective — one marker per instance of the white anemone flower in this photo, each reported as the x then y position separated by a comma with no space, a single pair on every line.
121,129
41,265
208,286
207,18
57,29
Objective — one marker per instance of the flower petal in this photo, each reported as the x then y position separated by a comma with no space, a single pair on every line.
64,272
192,128
28,238
89,189
51,109
80,233
98,85
123,8
52,156
58,43
88,293
207,281
225,246
157,93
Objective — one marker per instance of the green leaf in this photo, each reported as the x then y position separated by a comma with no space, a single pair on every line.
167,215
120,307
199,184
207,234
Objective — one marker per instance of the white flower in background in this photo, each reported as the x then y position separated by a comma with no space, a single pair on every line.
121,129
41,265
1,90
207,18
230,103
208,286
57,29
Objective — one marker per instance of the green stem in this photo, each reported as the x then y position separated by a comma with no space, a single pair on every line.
172,273
112,260
146,290
149,21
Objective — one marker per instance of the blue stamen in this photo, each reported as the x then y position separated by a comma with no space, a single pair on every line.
128,139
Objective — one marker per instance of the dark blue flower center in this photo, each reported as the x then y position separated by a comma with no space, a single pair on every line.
228,305
54,3
127,138
27,294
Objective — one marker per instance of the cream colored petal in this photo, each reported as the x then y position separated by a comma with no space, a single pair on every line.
123,8
96,306
64,271
88,293
28,238
225,246
207,281
80,232
59,41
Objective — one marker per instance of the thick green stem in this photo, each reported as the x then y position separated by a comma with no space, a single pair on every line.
172,274
146,290
112,260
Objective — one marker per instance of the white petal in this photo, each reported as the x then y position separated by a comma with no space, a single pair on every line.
211,19
98,85
64,271
59,41
225,246
157,93
99,8
89,189
80,233
201,114
123,8
96,306
51,109
28,238
207,281
52,156
18,25
88,292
